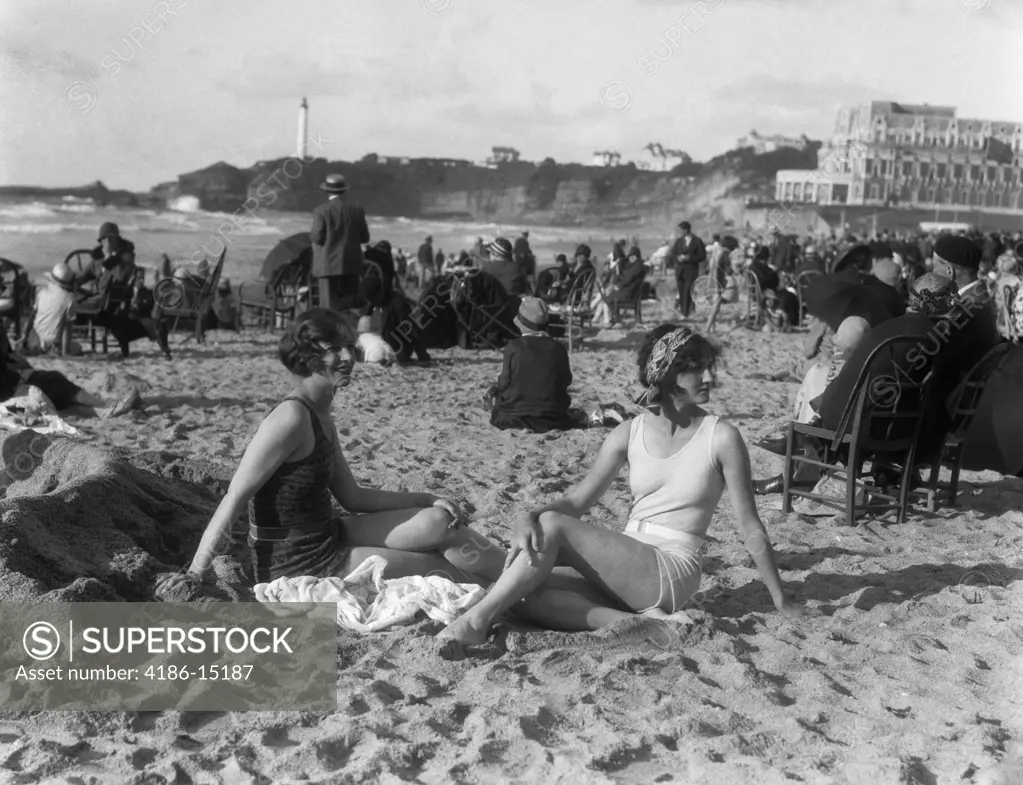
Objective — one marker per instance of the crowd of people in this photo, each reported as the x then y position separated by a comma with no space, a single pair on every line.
561,573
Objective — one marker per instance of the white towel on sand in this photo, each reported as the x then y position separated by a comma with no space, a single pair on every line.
30,409
374,349
368,603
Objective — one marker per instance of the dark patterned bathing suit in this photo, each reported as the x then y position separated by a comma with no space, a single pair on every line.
297,496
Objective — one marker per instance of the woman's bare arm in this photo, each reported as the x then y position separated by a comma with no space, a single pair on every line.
355,498
279,436
733,458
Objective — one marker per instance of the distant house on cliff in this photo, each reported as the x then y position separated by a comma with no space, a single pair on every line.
768,144
607,158
658,158
502,155
393,160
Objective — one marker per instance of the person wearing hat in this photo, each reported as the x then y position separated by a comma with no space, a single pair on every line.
338,233
688,253
54,314
624,289
502,265
552,282
425,261
523,254
532,391
959,258
113,261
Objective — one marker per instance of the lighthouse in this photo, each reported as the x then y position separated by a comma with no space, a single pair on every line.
303,128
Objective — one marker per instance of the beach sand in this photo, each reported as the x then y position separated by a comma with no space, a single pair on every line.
911,674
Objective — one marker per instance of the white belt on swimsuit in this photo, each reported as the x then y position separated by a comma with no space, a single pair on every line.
684,540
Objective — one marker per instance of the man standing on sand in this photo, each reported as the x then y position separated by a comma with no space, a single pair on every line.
339,230
689,253
523,254
425,261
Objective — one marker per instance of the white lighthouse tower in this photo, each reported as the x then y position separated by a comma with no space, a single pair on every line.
303,128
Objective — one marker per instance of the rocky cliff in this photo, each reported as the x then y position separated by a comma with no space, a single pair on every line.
522,192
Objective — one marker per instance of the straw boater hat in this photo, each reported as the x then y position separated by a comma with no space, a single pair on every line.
62,274
533,315
335,184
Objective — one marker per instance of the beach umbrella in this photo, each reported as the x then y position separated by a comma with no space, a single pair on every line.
995,439
297,249
857,257
834,298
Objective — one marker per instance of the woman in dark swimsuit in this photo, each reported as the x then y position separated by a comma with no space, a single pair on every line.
294,465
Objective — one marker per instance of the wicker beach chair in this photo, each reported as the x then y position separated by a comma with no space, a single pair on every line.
884,416
17,297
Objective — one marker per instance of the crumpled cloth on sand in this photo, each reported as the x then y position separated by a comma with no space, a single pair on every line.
368,603
31,409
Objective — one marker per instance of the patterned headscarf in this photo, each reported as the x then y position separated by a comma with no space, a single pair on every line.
662,356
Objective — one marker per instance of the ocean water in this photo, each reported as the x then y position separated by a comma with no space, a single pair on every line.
38,234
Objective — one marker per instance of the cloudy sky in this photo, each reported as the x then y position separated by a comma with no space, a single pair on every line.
134,92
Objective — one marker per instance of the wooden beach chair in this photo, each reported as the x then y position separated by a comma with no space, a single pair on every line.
803,280
576,309
876,422
962,404
281,297
18,296
751,298
174,306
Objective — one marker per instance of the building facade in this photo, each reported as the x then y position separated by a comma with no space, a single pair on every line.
908,155
768,144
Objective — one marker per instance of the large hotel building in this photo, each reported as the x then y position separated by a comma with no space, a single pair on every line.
906,155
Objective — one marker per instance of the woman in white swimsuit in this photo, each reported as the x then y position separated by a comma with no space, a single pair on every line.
680,461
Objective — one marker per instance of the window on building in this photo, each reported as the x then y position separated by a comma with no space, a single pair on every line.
992,174
940,174
925,170
875,191
797,192
957,172
975,172
840,194
907,168
884,168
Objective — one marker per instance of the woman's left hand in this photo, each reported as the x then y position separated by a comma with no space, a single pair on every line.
452,509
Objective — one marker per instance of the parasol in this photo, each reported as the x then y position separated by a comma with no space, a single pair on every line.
297,249
857,257
995,438
834,298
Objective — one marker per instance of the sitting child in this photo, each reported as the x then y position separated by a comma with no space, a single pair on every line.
532,391
851,333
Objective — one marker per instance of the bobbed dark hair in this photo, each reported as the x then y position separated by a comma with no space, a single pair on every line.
696,354
299,348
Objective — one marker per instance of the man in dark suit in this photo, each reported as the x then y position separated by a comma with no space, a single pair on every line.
523,254
689,253
425,260
339,230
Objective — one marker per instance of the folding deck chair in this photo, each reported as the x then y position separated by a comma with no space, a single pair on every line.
884,416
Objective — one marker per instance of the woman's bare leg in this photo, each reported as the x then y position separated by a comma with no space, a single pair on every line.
424,530
567,601
620,566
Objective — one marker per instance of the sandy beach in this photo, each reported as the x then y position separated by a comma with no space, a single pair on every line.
911,674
